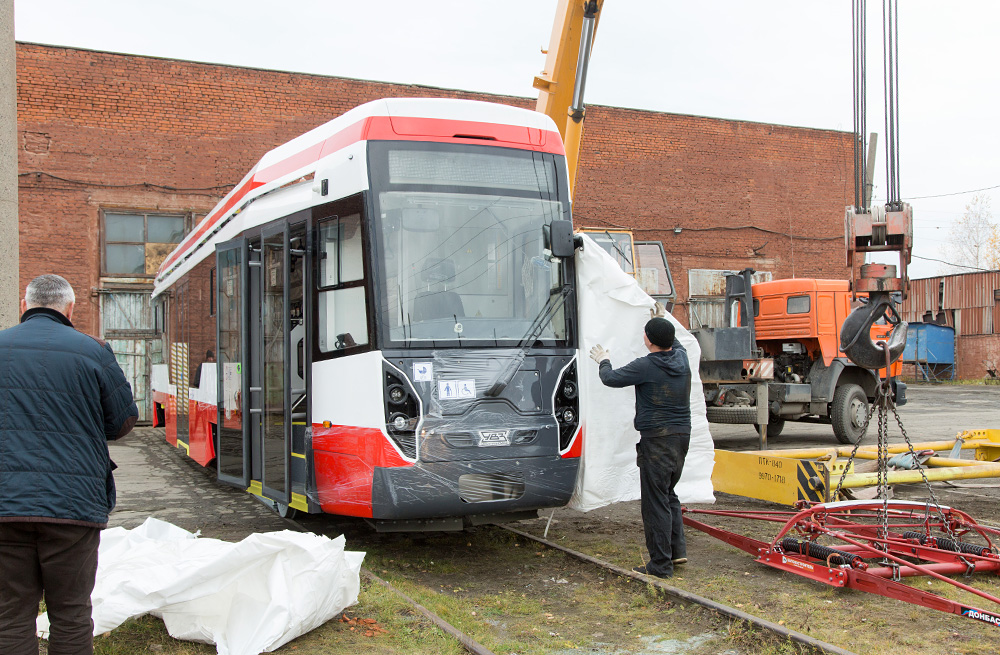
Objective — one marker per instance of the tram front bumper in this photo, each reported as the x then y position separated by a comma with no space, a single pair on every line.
464,488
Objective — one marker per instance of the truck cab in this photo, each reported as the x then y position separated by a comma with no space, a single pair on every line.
795,324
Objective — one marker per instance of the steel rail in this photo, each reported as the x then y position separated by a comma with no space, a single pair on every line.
467,642
687,596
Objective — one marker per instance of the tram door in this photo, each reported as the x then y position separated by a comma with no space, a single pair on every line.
231,447
269,359
268,367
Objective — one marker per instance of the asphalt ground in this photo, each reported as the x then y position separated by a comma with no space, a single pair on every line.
155,479
933,412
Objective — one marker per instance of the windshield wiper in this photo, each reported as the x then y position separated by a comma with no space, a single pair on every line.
544,317
614,244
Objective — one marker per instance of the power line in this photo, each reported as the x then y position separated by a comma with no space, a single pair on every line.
975,268
716,228
150,185
956,193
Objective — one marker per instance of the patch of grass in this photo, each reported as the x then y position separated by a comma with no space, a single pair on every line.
146,634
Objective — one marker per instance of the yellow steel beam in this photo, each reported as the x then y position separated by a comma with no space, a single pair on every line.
786,476
931,461
991,470
845,451
781,480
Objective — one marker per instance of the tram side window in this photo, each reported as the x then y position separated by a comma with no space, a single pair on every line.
343,314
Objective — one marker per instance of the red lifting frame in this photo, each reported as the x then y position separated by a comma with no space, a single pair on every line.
853,529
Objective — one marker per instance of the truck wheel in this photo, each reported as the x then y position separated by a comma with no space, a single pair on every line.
847,413
775,426
736,415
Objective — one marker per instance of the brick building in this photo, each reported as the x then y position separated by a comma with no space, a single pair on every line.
120,154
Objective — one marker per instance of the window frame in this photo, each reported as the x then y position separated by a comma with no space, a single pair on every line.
185,228
379,177
323,215
788,304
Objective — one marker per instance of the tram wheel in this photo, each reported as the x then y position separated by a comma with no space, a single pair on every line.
284,511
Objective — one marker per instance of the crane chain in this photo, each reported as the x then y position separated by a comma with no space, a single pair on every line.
927,483
883,403
857,444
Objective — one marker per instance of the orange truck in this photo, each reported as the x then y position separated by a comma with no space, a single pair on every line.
781,360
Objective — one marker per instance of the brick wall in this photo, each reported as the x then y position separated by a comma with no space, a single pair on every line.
976,354
129,132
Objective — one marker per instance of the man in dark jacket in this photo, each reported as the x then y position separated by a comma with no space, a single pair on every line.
662,381
62,396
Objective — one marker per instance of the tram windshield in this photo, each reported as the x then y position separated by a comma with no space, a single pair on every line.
462,247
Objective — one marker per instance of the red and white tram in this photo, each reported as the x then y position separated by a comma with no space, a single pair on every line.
391,300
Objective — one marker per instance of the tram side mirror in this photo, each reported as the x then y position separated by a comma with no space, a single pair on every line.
419,219
560,238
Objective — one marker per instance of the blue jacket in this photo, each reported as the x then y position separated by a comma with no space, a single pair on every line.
62,396
662,389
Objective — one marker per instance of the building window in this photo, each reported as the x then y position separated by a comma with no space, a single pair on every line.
136,244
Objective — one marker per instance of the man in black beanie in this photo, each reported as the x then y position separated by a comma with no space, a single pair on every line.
662,381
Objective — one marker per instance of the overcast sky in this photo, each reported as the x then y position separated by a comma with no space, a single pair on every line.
779,61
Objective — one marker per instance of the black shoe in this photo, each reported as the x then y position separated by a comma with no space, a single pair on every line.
642,569
680,560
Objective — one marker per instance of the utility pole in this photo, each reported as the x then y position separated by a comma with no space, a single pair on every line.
9,260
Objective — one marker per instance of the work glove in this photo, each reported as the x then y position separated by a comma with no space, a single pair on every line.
658,310
599,354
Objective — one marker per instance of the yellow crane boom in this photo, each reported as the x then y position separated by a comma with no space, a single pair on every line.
561,85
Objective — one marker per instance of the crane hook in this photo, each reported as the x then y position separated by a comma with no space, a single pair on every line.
855,333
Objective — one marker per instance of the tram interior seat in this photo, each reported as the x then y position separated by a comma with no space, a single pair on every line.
437,301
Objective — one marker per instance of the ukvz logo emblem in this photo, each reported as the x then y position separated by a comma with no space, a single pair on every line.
980,615
494,438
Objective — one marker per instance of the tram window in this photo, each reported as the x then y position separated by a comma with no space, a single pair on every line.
341,254
343,319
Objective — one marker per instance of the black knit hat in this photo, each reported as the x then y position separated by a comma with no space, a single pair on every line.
660,332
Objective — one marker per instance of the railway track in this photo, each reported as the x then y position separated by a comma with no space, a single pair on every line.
685,598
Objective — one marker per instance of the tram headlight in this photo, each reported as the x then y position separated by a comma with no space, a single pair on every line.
568,415
400,421
569,389
397,394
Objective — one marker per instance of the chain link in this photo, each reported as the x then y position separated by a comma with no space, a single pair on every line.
927,483
857,444
883,404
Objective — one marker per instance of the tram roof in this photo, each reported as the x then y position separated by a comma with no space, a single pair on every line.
407,119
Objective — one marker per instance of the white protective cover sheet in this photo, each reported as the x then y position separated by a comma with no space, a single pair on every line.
613,311
247,597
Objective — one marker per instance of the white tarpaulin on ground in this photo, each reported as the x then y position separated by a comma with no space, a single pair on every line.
613,311
247,597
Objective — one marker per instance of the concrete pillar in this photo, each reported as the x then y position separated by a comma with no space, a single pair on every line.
9,255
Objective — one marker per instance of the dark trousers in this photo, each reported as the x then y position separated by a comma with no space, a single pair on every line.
660,457
61,560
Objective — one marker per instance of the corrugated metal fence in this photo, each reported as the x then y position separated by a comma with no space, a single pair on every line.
969,302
